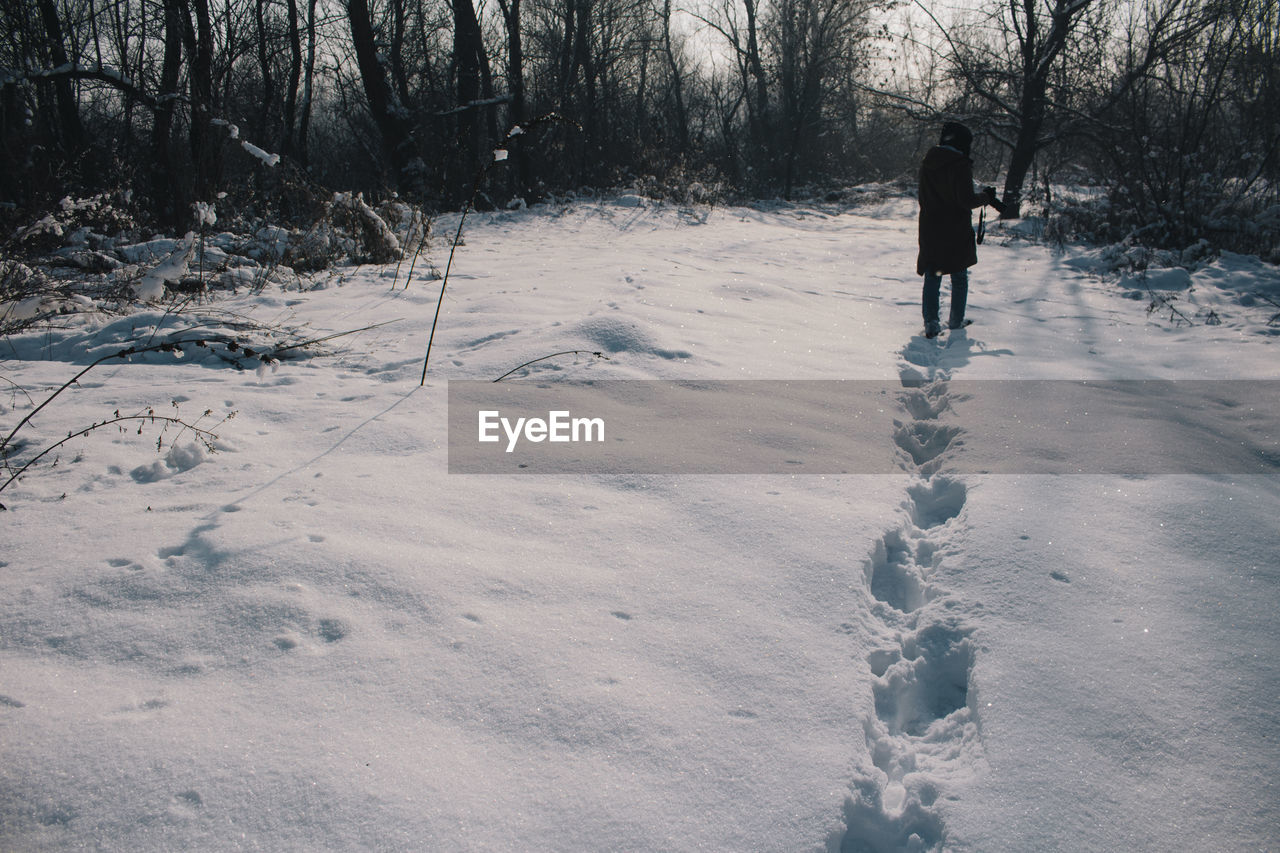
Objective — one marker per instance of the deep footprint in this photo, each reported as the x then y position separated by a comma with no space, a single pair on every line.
893,576
926,403
870,828
930,683
936,501
924,441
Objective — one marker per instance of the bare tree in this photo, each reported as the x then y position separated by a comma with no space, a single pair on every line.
1036,73
677,80
1192,148
205,148
793,56
166,176
1014,61
815,44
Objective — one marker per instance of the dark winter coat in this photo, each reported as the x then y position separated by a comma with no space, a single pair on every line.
947,198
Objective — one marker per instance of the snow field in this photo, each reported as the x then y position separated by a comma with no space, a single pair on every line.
318,639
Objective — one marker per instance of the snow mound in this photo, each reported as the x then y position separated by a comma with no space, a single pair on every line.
180,458
1168,280
616,335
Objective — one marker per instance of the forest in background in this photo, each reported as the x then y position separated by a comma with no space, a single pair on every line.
1168,111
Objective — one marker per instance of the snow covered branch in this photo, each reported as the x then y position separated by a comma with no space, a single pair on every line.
472,105
97,73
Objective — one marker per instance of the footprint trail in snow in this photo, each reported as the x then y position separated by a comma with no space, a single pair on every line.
922,736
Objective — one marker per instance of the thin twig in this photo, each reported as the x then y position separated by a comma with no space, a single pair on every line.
168,346
599,355
124,353
1274,317
174,308
457,237
276,352
1159,301
420,219
515,131
18,389
422,241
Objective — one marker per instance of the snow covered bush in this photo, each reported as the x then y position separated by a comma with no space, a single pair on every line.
348,228
376,242
94,221
21,296
686,185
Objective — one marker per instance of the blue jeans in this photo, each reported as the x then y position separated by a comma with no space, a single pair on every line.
959,296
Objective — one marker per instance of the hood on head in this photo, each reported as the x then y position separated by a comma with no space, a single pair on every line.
957,136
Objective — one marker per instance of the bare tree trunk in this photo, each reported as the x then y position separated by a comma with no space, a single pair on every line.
758,106
72,132
568,68
468,51
388,115
204,142
304,122
1038,56
289,136
516,86
11,142
166,182
264,65
399,76
118,36
677,80
1025,146
582,59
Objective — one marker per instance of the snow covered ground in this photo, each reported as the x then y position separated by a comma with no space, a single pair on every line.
317,638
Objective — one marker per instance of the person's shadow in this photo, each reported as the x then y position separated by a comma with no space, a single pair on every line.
957,349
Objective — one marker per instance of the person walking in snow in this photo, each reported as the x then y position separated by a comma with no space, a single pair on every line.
947,243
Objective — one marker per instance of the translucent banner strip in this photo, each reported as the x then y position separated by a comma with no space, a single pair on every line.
865,427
